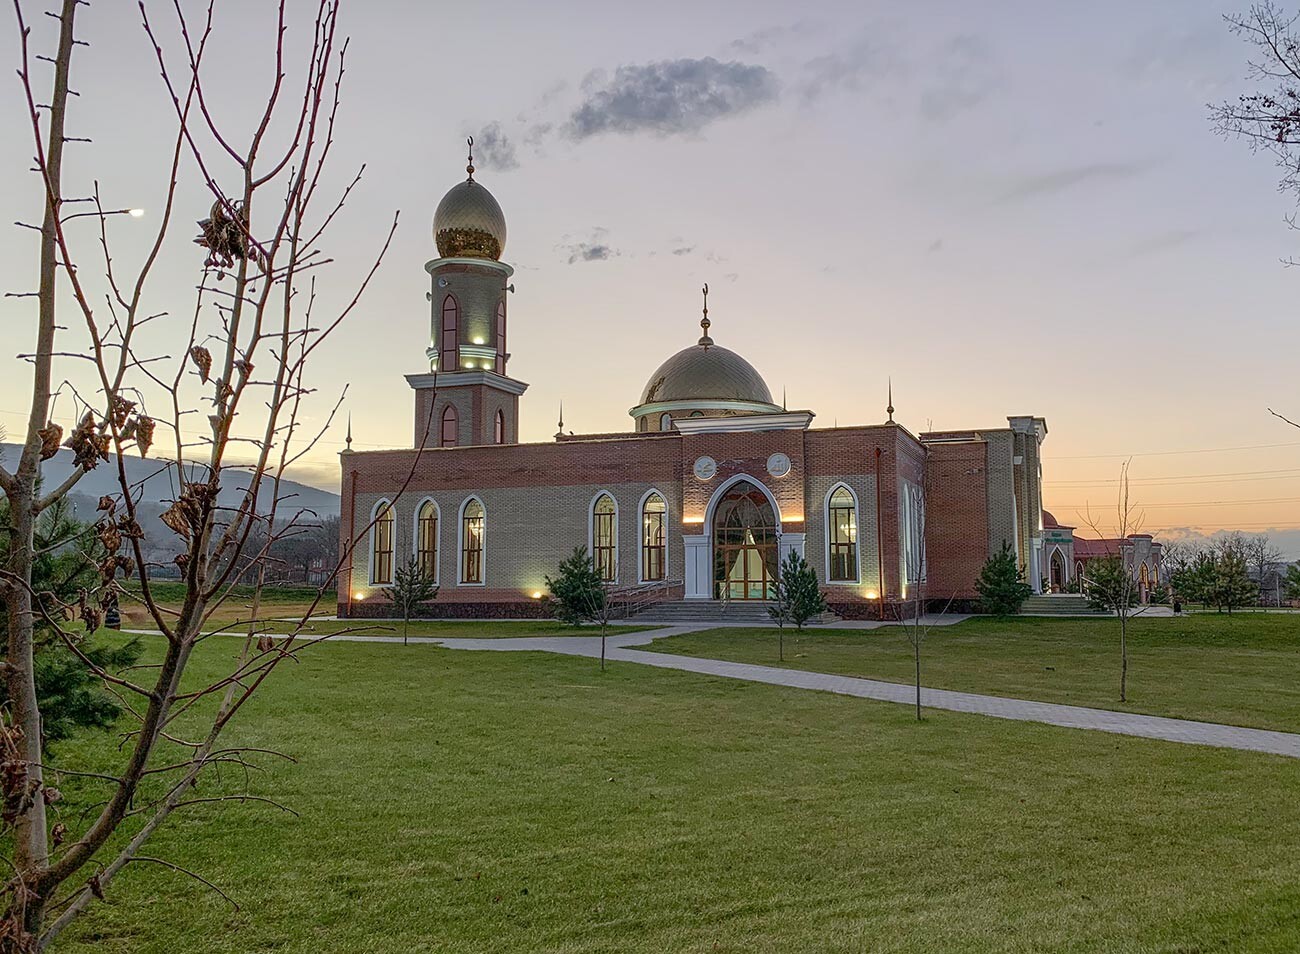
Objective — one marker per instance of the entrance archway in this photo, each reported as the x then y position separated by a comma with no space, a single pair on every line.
744,544
1057,571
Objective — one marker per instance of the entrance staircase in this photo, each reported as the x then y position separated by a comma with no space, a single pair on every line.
1058,604
734,613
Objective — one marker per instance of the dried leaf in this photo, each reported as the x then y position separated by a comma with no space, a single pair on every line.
96,888
58,833
144,426
107,503
203,361
51,436
51,795
121,410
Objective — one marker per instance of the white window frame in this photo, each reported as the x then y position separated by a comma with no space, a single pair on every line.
857,544
460,542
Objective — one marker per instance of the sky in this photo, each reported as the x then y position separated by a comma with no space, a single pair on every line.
1003,208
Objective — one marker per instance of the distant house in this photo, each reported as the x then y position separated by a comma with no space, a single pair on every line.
1272,583
1068,555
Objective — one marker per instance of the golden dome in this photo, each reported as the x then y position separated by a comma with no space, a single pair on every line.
469,223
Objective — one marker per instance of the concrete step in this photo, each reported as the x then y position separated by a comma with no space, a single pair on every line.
1058,604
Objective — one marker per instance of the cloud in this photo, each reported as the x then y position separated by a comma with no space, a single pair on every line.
669,97
593,249
764,38
684,250
868,58
493,149
1062,180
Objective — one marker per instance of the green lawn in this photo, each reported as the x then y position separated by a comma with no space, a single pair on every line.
456,629
1243,670
497,802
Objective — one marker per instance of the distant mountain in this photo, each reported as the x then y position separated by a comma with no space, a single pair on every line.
158,484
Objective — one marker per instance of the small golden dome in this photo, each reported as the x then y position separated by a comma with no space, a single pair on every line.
469,223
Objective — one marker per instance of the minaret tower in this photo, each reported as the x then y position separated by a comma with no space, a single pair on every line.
467,398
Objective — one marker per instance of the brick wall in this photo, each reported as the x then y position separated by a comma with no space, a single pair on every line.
956,518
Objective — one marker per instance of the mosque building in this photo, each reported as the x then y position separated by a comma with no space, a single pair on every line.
699,501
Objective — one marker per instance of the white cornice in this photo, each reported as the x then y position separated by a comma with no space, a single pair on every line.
455,379
487,263
784,421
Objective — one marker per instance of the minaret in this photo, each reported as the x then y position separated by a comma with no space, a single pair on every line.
467,398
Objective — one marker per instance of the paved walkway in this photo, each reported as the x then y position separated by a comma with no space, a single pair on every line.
623,648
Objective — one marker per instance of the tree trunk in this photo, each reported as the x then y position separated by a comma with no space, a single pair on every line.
602,647
780,643
31,844
916,654
1123,659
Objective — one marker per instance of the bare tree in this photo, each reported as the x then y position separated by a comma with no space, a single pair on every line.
1269,119
1112,583
253,325
1262,556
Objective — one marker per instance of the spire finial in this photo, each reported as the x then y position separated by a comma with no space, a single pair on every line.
560,433
783,407
469,141
705,340
348,442
890,407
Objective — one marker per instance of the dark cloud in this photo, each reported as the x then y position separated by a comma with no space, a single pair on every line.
493,149
935,246
592,249
1061,180
669,97
684,250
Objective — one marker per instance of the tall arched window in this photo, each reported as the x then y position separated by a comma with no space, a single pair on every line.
842,537
381,550
426,539
653,515
501,339
604,537
450,427
665,421
472,527
499,427
447,360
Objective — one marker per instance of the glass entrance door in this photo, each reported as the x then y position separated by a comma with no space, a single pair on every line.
744,545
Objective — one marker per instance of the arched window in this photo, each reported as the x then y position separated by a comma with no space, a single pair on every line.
450,427
447,360
426,539
604,537
665,421
653,515
381,549
501,340
499,427
842,536
1078,569
697,413
472,528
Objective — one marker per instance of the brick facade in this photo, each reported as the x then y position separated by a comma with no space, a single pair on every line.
538,501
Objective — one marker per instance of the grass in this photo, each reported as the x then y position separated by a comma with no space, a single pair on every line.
290,601
457,629
473,801
1243,670
276,601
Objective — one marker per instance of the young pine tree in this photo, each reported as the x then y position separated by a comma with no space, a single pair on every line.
1001,585
410,588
